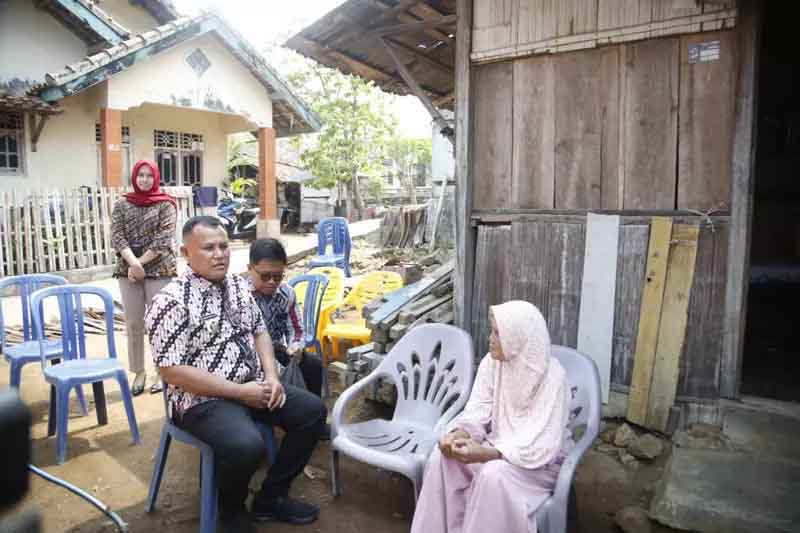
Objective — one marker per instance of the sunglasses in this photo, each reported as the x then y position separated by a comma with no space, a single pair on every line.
270,276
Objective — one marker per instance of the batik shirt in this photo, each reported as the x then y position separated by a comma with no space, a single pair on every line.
142,229
211,326
281,314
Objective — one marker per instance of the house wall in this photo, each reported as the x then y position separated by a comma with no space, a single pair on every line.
67,157
32,43
226,87
506,28
134,18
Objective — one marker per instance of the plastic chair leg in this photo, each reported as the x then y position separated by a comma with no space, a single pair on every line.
82,400
100,402
16,373
127,400
208,495
335,488
158,469
52,410
62,415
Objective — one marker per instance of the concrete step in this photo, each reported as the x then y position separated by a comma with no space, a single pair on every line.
762,432
733,492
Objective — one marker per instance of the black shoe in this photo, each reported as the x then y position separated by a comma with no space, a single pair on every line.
238,522
326,433
284,509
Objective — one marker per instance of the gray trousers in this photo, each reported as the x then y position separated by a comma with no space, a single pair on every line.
136,296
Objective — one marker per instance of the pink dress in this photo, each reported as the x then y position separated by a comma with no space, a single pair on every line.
518,406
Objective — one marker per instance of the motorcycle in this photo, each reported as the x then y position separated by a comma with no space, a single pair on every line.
238,216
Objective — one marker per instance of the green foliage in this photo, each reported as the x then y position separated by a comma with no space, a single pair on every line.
357,127
410,155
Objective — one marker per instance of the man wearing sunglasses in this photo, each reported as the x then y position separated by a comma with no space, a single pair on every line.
280,310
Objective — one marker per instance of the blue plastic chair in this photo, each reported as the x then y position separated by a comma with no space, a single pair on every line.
77,369
19,355
209,505
333,231
312,306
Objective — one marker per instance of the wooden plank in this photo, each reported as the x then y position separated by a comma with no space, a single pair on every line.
576,17
18,232
64,246
492,25
700,361
528,257
587,129
533,167
597,297
670,9
707,102
632,259
566,244
108,252
742,191
8,209
33,235
535,20
97,225
52,243
651,124
3,230
463,274
672,326
490,281
620,13
77,227
493,135
649,319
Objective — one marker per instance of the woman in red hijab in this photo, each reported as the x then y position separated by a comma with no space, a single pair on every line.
143,235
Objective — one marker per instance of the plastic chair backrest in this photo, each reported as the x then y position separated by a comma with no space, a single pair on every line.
315,286
432,367
334,294
373,285
584,382
334,231
26,286
71,318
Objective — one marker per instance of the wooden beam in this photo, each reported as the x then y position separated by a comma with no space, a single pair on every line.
267,185
405,17
414,26
111,146
36,131
441,122
420,55
338,58
464,272
748,29
446,99
389,13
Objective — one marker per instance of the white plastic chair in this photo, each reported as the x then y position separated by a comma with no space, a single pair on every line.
584,381
432,368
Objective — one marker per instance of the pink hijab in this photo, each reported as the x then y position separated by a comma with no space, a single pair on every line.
522,401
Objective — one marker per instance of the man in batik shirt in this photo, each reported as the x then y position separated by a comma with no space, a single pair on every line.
212,349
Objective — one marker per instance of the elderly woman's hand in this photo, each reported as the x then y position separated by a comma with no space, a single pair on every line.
469,451
447,440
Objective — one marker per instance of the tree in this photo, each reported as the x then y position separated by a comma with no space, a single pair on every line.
412,157
356,130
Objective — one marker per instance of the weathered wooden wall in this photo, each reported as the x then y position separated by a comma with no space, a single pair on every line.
539,258
625,127
514,28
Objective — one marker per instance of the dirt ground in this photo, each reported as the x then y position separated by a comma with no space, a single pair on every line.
103,461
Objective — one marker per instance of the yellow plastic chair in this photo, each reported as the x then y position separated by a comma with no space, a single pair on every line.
332,298
372,286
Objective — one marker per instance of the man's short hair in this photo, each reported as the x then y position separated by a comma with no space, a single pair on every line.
201,220
269,249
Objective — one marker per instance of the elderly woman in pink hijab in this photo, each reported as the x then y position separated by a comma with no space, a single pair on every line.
500,458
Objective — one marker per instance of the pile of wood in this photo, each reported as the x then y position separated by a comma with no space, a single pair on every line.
94,323
391,317
405,227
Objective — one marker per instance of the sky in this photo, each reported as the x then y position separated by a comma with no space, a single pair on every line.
264,22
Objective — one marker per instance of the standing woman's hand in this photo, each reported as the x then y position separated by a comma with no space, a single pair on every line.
136,271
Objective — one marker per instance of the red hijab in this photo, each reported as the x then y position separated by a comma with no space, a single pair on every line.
154,195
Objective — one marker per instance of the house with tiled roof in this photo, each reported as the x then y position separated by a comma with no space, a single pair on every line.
89,87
